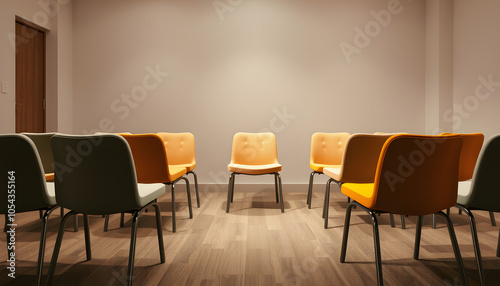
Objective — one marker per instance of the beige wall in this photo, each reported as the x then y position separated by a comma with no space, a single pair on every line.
476,67
265,65
55,16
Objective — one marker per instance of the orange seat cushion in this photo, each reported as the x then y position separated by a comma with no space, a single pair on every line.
319,167
362,193
254,169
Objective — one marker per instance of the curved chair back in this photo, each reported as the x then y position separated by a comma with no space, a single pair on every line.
150,157
180,148
20,155
328,148
417,174
484,193
361,156
472,143
94,174
42,143
254,149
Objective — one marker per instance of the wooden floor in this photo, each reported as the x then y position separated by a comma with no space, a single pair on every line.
254,245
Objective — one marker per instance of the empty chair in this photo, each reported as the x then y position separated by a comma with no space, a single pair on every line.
416,175
99,179
181,152
327,150
481,193
254,154
359,163
151,164
24,187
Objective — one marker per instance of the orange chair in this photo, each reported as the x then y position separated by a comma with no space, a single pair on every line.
416,175
150,159
181,152
326,152
359,163
254,154
472,144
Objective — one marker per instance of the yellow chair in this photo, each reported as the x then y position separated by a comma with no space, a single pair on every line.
254,154
181,152
359,163
416,175
326,152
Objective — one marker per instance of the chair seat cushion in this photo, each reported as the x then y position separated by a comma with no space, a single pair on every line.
51,191
49,177
464,189
188,167
176,171
149,192
333,173
362,193
254,169
319,167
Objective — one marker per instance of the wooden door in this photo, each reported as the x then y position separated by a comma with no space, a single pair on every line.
30,79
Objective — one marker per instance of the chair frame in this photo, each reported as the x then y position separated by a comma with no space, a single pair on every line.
277,181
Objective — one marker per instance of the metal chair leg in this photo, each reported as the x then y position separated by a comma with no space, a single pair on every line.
391,218
327,203
40,214
106,222
403,222
57,246
434,221
309,191
346,232
492,218
122,219
229,192
456,249
172,188
418,234
281,194
43,239
188,197
232,187
159,232
276,188
86,231
131,256
196,187
475,242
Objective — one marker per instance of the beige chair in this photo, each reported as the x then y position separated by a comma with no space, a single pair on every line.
327,150
254,154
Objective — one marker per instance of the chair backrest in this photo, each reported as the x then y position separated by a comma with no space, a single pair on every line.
485,193
254,149
42,143
472,144
361,156
180,147
94,174
27,183
417,174
150,157
328,148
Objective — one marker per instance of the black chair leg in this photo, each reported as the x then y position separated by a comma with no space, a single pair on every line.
43,239
498,245
391,218
57,247
347,222
106,222
403,222
131,256
309,191
196,187
326,207
159,232
434,221
122,219
188,197
418,234
456,249
232,187
229,192
376,244
492,218
40,214
62,212
172,188
282,203
86,231
475,242
276,188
